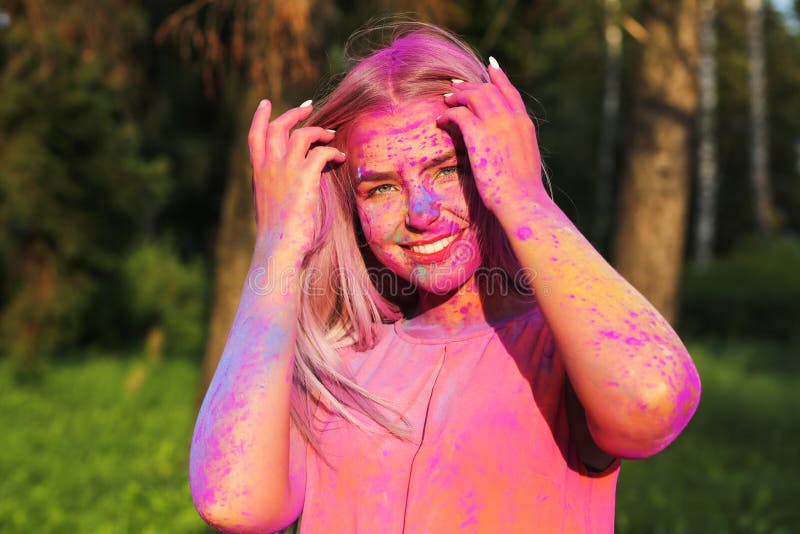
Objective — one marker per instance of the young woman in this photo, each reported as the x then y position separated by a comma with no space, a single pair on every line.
498,395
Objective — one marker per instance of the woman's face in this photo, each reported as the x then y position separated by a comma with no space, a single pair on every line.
409,196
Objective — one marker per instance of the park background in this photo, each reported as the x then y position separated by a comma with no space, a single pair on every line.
671,131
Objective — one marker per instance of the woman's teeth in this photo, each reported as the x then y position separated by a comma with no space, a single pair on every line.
436,246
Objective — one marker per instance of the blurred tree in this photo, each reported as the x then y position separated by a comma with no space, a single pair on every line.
783,89
608,123
736,213
257,50
766,218
554,53
74,187
707,173
654,192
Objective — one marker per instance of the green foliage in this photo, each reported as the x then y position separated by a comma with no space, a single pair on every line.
554,54
75,188
99,445
752,292
736,210
733,469
161,291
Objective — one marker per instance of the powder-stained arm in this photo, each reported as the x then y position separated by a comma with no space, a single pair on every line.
240,472
630,371
247,467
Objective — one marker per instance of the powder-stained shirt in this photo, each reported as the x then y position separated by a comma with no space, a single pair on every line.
490,449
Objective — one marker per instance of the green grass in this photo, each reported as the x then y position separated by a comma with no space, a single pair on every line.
100,445
735,468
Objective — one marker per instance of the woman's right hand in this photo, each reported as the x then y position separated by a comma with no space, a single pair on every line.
286,175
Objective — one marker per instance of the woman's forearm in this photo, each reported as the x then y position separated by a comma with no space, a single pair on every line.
239,466
631,372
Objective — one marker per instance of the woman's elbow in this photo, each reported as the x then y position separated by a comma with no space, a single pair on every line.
235,519
236,511
651,420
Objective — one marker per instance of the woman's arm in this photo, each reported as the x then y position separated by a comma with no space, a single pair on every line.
247,465
630,371
242,476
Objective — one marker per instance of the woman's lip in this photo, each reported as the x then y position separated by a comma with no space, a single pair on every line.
430,240
435,257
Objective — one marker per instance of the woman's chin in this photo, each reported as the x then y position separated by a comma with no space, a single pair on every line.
439,283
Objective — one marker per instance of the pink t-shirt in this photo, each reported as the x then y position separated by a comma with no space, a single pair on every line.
491,450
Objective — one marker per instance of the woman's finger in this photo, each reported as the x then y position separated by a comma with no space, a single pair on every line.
256,137
278,130
320,156
301,139
500,80
483,101
463,118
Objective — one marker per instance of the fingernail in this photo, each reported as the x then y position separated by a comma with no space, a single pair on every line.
457,81
331,131
343,154
448,94
305,104
493,62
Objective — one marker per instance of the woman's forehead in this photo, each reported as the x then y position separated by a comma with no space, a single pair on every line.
408,131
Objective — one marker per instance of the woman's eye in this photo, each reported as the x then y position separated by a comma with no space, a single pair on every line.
385,188
448,172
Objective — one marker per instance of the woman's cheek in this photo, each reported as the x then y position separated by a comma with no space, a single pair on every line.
380,220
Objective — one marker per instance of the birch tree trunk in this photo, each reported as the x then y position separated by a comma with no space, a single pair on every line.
608,124
759,144
707,168
648,248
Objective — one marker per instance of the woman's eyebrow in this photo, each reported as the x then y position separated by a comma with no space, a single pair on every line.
377,176
438,160
373,176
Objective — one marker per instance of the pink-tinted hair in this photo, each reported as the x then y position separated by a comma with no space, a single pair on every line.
341,305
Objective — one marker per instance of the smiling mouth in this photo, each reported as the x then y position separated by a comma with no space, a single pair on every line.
434,247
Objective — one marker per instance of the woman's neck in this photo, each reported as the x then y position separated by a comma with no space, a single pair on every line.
469,308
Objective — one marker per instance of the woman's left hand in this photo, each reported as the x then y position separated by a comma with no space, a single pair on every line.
500,140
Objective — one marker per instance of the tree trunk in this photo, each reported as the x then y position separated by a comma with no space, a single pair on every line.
707,169
759,145
651,226
608,125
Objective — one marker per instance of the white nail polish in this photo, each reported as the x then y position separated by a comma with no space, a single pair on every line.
448,94
331,131
305,104
493,62
457,81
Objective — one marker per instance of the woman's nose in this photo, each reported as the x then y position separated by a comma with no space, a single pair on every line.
423,208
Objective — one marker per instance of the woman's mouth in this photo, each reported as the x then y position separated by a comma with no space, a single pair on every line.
432,252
